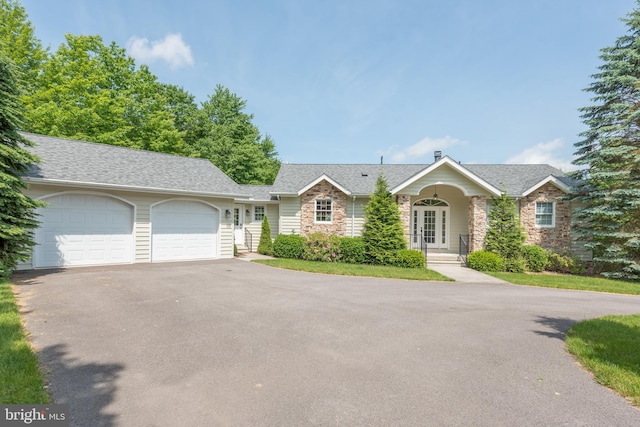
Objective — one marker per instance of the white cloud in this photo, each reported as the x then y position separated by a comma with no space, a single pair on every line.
423,148
544,153
172,50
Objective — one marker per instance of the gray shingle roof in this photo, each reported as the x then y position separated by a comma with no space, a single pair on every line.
72,161
514,179
359,179
259,192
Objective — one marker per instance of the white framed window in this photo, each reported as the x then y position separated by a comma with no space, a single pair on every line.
545,214
258,213
324,210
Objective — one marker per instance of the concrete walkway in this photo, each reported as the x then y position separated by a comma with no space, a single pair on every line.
463,274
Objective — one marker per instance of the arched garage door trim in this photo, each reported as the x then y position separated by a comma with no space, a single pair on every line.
126,244
173,246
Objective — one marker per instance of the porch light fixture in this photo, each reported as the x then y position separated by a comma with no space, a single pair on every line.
248,212
435,193
227,213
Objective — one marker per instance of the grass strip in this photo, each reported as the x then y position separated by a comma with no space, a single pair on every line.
609,347
366,270
565,281
20,378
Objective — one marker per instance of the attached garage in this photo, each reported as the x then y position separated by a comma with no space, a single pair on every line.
84,229
184,230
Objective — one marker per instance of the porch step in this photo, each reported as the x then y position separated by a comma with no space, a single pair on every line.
242,248
442,258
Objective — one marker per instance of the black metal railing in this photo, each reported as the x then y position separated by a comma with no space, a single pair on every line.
416,241
463,247
248,240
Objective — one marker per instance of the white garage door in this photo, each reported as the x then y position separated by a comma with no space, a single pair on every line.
183,230
84,229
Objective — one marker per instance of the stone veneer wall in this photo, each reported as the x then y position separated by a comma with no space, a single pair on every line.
556,238
323,190
477,222
404,205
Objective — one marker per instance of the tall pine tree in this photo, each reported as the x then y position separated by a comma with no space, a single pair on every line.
17,211
383,236
609,194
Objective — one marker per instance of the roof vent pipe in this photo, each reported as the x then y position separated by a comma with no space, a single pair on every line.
437,155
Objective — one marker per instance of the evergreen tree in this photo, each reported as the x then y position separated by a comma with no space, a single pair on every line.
265,247
17,211
608,196
505,235
383,236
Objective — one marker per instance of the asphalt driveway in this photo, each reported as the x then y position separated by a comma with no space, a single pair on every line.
237,343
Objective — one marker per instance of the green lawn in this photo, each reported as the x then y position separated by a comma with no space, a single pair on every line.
20,378
609,347
563,281
355,269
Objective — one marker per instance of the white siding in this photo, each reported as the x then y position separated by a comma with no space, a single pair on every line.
289,215
446,175
142,203
355,223
255,227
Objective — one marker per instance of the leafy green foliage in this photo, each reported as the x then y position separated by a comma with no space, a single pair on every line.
485,261
536,258
608,196
322,247
19,43
233,143
505,235
410,258
565,264
289,246
515,264
383,235
352,250
265,247
17,211
90,91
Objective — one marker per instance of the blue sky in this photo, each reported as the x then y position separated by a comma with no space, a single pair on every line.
349,81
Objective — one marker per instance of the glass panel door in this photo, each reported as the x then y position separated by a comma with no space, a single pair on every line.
429,229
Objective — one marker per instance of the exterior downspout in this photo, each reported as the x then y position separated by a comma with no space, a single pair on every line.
353,217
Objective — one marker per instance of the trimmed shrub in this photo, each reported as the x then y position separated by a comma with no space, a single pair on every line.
515,265
485,261
536,258
322,247
265,247
557,262
352,250
289,246
578,266
410,258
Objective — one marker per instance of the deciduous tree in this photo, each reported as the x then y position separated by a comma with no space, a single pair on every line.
19,43
90,91
233,143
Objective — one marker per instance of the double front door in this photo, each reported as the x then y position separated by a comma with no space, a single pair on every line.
431,224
